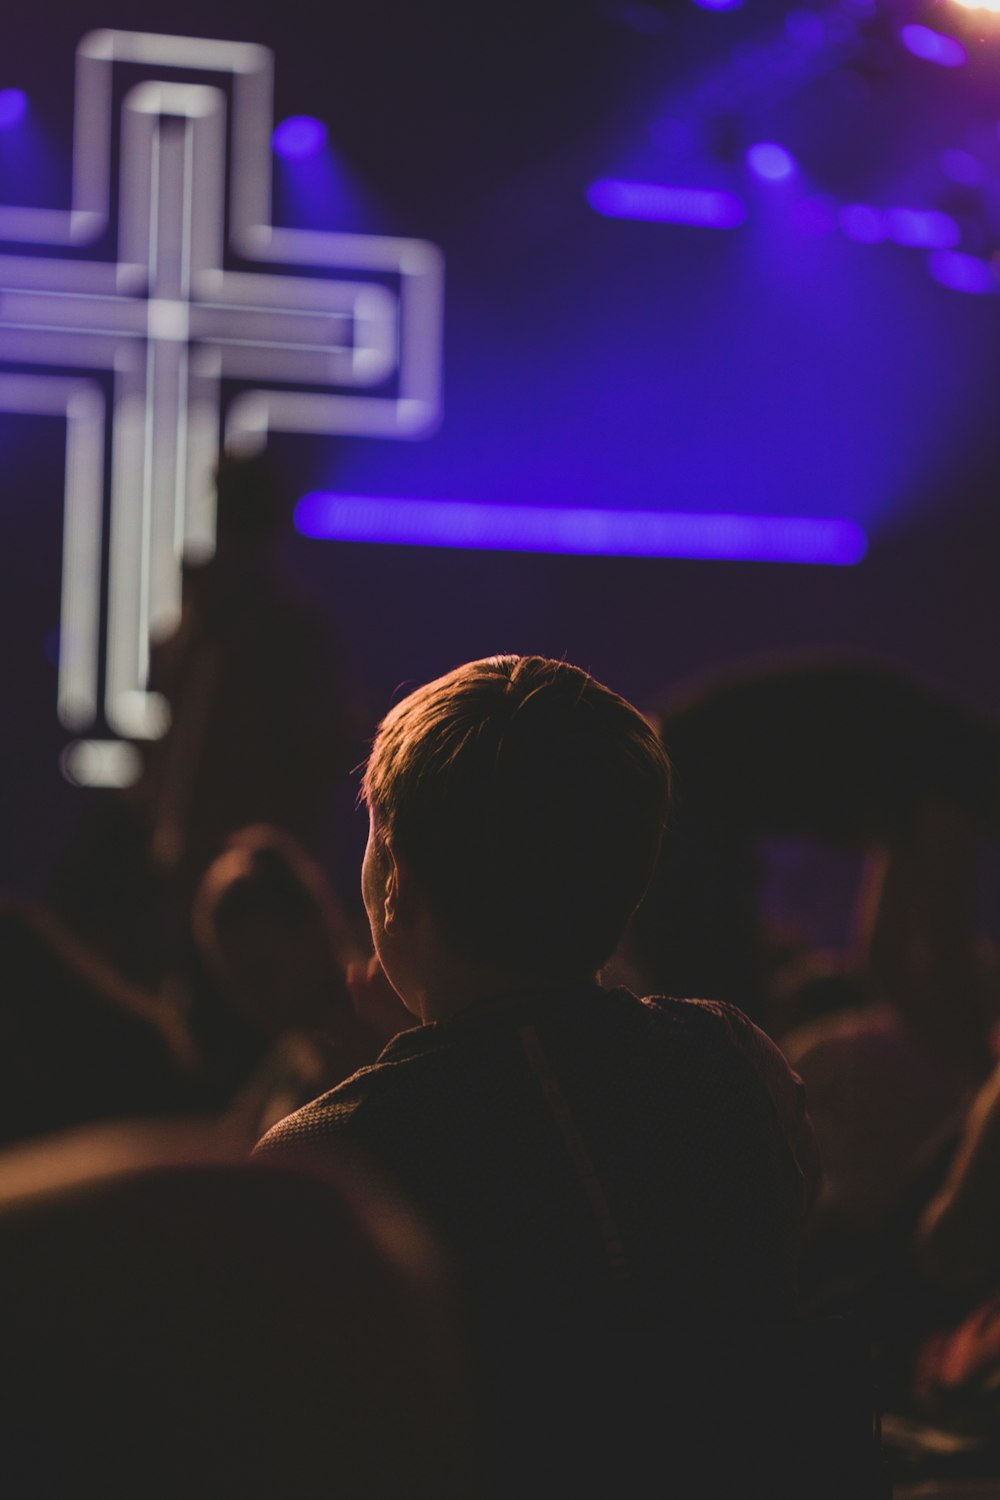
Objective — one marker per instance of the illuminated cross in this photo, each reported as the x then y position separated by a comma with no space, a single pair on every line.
169,323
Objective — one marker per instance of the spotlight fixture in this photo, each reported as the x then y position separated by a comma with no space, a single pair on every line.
770,162
298,136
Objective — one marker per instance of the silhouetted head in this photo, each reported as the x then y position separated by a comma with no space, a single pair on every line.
528,801
180,1321
269,925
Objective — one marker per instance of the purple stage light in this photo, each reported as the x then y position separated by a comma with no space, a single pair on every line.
924,227
655,201
298,136
933,46
718,4
13,107
603,533
770,162
963,273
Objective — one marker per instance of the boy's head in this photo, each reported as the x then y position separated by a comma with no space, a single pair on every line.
528,801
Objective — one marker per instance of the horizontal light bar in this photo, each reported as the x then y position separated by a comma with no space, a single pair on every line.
706,207
607,533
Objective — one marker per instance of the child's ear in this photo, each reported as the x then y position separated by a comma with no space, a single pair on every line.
398,885
390,900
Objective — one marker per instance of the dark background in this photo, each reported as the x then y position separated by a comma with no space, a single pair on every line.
782,368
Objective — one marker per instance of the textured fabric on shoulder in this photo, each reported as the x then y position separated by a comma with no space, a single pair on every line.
693,1125
619,1185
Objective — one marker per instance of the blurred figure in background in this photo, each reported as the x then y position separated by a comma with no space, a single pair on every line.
262,725
841,751
181,1322
261,719
890,1080
254,1018
890,1077
958,1236
890,1020
268,996
954,1376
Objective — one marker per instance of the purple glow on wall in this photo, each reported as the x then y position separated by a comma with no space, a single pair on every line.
13,107
933,46
813,216
705,207
298,136
718,4
961,167
863,223
805,29
603,533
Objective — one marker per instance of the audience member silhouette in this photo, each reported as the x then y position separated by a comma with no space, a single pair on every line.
621,1183
843,750
892,1033
958,1236
261,718
954,1374
272,1010
181,1322
890,1079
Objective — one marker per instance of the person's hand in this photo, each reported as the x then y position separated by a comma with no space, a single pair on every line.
376,1004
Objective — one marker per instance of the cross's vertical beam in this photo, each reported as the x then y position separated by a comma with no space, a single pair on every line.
128,707
206,169
80,626
169,131
165,467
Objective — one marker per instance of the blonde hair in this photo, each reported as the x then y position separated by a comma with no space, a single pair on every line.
530,802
